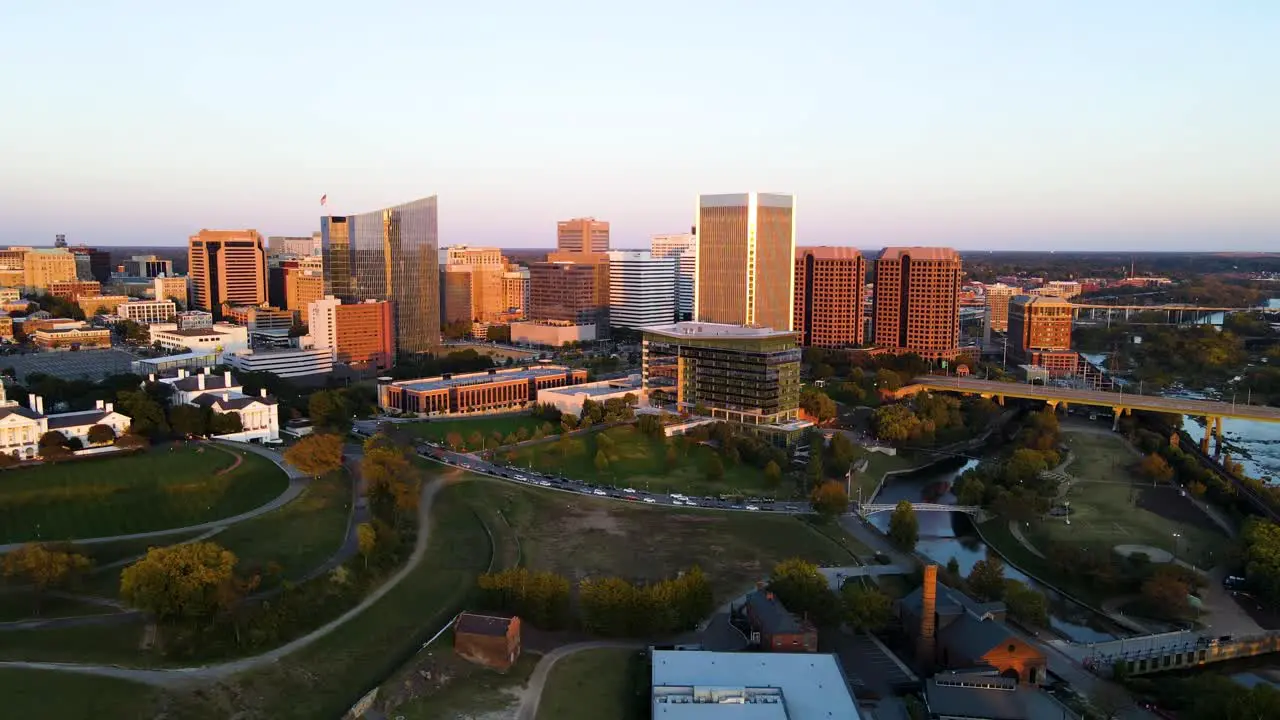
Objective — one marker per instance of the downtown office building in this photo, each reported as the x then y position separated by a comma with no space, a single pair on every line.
391,255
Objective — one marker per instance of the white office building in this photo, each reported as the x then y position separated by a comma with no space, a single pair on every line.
684,248
291,362
642,289
220,338
146,312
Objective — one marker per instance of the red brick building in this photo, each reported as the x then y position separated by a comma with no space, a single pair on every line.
777,629
830,285
487,640
917,301
1040,333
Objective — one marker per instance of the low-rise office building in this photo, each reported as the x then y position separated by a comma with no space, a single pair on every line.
73,289
259,318
551,333
71,335
172,363
6,326
220,338
480,392
700,685
571,398
146,312
286,362
101,304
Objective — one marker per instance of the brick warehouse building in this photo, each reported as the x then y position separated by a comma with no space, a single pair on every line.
487,391
830,288
917,301
1040,333
488,640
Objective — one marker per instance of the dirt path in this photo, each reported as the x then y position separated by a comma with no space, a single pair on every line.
178,677
239,459
532,695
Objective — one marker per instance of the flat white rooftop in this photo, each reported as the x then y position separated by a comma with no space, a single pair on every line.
698,684
714,330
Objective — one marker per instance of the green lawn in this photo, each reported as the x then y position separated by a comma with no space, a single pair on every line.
108,644
594,684
167,487
45,694
877,465
299,536
579,537
639,461
20,605
437,430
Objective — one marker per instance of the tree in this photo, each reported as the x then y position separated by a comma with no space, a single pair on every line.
803,589
904,527
841,453
1167,593
454,441
895,423
986,580
817,404
1155,468
1026,605
43,567
772,473
100,434
391,481
366,541
146,416
829,499
189,420
316,454
888,380
328,409
180,581
953,567
865,608
715,468
224,423
475,440
601,461
52,438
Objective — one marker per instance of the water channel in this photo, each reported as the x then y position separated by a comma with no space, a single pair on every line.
951,535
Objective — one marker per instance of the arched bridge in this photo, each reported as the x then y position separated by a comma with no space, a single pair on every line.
873,508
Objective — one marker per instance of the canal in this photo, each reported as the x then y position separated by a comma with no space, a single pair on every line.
951,535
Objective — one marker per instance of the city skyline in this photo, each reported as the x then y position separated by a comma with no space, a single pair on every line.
1081,126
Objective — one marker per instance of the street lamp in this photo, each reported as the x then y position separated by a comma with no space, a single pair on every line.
1176,536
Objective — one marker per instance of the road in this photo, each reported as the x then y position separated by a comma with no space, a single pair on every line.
297,483
178,677
532,694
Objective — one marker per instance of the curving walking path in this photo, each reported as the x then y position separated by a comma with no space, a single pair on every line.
297,483
176,677
532,695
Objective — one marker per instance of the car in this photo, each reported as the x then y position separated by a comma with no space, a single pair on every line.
599,492
677,502
690,502
753,507
649,500
544,483
677,496
628,490
631,497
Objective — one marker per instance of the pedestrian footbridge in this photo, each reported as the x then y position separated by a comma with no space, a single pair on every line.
873,508
1176,651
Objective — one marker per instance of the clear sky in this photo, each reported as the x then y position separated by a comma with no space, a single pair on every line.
1093,124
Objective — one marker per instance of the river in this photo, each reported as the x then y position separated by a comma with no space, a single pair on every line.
951,535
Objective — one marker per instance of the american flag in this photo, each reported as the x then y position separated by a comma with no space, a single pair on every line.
324,198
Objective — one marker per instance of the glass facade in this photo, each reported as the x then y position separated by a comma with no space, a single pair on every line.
389,255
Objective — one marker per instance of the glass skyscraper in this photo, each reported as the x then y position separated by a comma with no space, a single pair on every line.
389,255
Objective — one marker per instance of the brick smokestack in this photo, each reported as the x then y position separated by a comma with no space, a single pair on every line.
925,648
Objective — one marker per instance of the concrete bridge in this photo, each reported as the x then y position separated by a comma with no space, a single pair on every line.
873,508
1176,651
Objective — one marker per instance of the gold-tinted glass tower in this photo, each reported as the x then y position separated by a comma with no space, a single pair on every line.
746,260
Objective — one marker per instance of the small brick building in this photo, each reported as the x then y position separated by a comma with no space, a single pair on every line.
778,629
489,640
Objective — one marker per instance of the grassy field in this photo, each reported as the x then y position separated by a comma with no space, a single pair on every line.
437,430
298,536
639,461
593,684
109,644
155,490
43,694
1111,506
15,605
581,537
877,465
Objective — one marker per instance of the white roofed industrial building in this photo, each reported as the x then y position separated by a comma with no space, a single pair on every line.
704,685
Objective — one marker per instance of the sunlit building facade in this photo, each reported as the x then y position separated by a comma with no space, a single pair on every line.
917,301
391,255
830,284
746,260
227,267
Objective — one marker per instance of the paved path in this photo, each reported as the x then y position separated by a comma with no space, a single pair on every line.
177,677
297,482
537,681
1015,529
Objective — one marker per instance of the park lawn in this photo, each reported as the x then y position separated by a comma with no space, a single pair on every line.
299,536
877,465
325,678
167,487
108,553
110,644
437,430
1111,506
595,684
444,685
639,461
582,537
20,605
48,694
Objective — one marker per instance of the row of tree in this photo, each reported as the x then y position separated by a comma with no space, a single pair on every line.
804,590
933,418
539,597
615,607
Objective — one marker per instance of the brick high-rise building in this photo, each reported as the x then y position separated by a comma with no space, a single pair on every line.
582,235
360,334
227,267
917,301
515,290
467,255
41,267
1040,333
571,287
830,284
473,285
746,260
998,297
389,254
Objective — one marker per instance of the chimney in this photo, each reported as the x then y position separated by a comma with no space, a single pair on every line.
31,401
98,405
226,379
226,397
182,372
926,643
39,405
208,370
152,377
200,381
263,392
110,407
